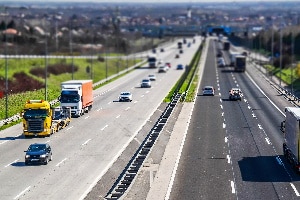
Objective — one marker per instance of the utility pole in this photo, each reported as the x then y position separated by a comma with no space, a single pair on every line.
6,67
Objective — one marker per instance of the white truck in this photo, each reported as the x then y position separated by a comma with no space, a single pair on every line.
291,134
78,95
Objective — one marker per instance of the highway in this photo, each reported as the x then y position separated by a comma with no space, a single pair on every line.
86,150
233,149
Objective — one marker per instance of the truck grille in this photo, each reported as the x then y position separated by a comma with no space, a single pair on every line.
35,125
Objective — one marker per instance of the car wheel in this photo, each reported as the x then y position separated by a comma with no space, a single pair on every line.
51,158
46,161
26,163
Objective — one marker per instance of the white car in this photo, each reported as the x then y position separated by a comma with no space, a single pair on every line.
162,69
208,90
146,83
152,77
125,96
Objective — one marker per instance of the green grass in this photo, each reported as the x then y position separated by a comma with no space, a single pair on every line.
15,102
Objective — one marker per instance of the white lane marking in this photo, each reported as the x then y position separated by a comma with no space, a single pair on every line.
85,143
99,109
222,114
127,108
18,135
109,103
135,101
264,94
249,107
118,116
47,141
226,139
232,187
86,117
4,142
295,190
259,126
147,91
279,160
228,159
142,95
11,163
253,115
69,127
220,98
21,193
221,106
57,165
268,140
104,127
224,125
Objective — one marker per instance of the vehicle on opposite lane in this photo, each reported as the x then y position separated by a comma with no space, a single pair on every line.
125,96
146,83
38,153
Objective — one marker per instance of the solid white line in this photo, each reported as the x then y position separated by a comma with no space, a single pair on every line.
232,187
11,163
16,197
4,142
104,127
264,94
85,143
295,190
61,162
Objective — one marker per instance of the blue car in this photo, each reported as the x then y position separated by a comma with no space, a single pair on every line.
180,66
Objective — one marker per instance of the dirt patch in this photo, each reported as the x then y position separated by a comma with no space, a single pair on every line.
22,82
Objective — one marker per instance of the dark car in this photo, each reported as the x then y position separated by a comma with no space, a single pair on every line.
38,153
180,66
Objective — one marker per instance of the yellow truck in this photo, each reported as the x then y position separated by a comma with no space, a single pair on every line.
40,119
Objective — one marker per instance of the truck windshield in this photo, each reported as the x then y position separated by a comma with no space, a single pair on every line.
151,59
35,113
69,97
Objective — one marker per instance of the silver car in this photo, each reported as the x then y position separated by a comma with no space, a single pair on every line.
146,83
208,90
125,96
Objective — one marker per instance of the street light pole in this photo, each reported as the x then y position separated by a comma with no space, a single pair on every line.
280,58
6,70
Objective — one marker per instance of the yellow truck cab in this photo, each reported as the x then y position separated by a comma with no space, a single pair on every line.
37,118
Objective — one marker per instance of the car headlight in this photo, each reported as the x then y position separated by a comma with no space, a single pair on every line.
27,156
43,156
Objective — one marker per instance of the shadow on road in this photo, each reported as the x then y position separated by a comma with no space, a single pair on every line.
267,169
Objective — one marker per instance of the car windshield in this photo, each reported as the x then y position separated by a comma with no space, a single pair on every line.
36,148
146,80
125,93
207,88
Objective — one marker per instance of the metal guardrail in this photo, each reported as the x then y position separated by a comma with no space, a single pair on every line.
130,172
